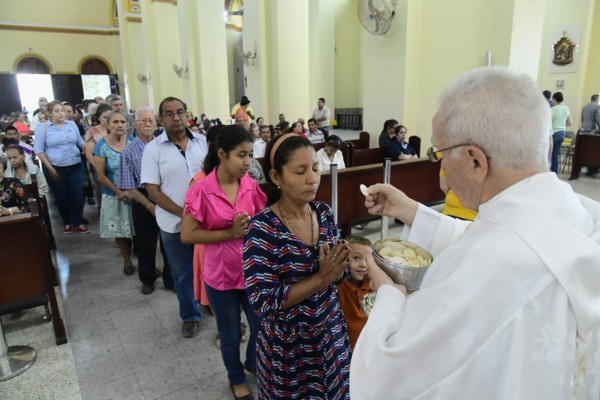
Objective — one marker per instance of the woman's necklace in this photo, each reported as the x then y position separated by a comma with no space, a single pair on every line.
312,242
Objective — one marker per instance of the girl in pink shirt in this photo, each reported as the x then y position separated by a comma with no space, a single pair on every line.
216,213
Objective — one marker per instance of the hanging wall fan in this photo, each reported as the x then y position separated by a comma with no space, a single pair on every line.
376,15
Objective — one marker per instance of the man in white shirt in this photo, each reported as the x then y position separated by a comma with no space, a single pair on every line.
261,144
168,165
35,120
510,306
314,135
321,114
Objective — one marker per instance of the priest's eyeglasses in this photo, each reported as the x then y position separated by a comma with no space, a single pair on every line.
434,154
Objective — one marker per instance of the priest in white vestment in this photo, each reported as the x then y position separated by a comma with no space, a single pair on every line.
510,307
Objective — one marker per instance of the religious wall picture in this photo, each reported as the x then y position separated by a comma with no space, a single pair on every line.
565,49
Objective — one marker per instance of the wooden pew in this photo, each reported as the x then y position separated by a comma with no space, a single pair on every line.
346,149
415,143
42,204
364,140
362,157
419,179
25,269
587,153
366,156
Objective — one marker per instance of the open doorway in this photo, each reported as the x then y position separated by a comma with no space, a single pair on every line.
95,85
31,88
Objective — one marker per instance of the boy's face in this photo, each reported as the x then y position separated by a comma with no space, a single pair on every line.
359,255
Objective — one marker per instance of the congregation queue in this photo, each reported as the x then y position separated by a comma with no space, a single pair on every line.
279,258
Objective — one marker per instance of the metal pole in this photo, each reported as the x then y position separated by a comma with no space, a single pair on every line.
14,360
387,172
333,175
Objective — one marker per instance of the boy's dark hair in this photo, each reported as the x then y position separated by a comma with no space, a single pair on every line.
547,94
353,239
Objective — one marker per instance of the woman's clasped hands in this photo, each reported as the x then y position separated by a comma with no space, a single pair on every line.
333,262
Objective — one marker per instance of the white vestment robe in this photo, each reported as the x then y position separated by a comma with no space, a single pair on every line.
509,309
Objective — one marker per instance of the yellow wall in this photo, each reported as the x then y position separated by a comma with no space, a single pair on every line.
348,79
132,54
445,40
591,84
257,75
64,50
527,34
575,12
290,77
72,12
321,54
232,38
165,44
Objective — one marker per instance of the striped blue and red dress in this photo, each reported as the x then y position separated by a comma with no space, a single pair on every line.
303,352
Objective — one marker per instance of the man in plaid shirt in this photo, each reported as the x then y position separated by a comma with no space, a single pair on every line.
143,210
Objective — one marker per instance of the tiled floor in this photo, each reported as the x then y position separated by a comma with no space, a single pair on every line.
123,345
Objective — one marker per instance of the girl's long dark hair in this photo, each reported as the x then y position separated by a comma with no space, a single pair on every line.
228,138
282,156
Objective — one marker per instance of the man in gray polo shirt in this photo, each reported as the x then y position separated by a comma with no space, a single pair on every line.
321,114
168,165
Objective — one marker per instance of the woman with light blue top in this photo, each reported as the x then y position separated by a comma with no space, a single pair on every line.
58,145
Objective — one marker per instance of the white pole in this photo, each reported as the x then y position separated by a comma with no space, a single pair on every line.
488,58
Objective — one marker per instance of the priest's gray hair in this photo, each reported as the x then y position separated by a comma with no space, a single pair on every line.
502,112
142,109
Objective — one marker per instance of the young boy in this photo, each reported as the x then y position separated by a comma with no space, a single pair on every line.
352,290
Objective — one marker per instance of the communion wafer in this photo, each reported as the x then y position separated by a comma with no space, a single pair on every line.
364,190
407,257
409,253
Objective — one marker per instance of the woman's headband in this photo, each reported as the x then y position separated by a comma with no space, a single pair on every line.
278,142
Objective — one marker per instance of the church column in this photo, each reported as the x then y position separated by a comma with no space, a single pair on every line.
132,54
255,28
162,49
526,40
289,60
208,58
322,53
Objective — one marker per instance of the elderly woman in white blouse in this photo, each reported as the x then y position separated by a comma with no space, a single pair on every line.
331,154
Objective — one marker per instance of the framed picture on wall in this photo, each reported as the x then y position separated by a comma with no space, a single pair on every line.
564,53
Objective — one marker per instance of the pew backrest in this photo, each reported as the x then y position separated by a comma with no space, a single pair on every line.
364,140
419,179
362,157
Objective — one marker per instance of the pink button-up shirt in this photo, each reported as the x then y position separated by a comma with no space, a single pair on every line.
223,267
